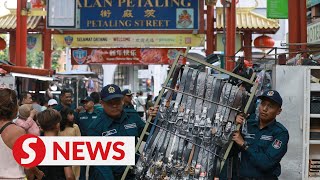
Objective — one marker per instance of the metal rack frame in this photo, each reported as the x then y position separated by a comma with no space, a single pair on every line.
173,67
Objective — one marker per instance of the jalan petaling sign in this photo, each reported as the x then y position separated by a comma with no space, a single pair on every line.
313,31
139,14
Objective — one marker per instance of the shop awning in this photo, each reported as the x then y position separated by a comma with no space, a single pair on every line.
248,20
27,70
41,78
8,22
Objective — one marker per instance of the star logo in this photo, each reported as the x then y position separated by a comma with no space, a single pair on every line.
111,89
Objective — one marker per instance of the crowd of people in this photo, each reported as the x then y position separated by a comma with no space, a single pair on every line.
60,117
113,112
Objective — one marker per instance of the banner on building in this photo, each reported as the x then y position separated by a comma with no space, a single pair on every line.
277,9
311,3
142,15
125,55
34,42
129,40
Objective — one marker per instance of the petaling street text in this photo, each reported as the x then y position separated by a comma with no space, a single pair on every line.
127,23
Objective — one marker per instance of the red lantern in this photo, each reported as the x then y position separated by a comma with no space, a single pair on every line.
36,4
3,44
264,42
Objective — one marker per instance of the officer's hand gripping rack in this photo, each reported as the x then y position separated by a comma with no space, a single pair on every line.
192,134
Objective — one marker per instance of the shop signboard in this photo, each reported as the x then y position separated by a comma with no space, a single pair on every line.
139,14
61,14
313,32
129,40
277,9
311,3
81,56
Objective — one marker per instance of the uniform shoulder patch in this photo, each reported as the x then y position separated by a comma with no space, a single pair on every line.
277,144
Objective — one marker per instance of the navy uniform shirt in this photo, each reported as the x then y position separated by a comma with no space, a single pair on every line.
129,109
85,119
129,124
267,146
59,107
98,108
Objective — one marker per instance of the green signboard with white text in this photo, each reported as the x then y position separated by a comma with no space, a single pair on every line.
277,9
311,3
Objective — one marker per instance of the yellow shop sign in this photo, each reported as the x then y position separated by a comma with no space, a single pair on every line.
129,40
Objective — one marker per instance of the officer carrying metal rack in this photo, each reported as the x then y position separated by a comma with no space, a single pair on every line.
191,135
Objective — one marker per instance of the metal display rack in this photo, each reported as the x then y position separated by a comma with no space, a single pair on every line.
166,87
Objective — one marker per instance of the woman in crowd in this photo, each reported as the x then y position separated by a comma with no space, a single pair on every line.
69,128
9,133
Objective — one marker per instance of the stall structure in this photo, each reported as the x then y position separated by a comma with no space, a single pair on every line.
80,82
25,79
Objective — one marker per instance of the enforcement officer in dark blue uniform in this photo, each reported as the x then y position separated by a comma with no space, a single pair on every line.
85,119
266,142
127,101
114,121
88,116
96,99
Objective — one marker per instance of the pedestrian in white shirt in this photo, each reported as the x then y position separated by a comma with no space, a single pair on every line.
140,103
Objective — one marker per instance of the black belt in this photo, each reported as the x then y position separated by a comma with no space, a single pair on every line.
259,178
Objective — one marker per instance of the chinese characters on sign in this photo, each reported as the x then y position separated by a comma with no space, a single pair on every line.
125,56
139,14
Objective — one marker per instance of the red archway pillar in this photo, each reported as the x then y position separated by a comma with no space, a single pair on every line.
21,34
247,42
12,47
231,35
210,30
297,26
46,46
303,25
